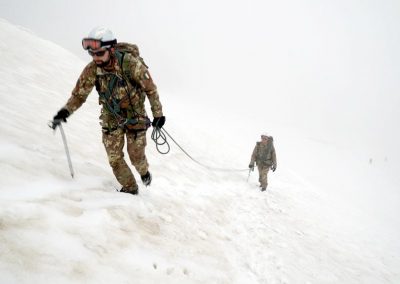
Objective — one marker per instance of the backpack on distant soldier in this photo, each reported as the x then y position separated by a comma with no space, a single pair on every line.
265,157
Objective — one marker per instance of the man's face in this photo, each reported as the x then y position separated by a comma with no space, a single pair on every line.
100,56
264,139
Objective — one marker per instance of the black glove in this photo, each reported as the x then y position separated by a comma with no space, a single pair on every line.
251,167
273,168
158,121
61,116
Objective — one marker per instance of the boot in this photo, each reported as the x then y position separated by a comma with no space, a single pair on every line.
146,179
134,190
263,189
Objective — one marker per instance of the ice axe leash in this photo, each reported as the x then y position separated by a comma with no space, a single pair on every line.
54,125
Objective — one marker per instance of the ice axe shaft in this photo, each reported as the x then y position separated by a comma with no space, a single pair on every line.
66,150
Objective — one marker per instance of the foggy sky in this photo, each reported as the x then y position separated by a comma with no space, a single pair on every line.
325,65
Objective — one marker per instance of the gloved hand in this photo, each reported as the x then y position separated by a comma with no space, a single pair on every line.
251,166
61,116
273,168
158,121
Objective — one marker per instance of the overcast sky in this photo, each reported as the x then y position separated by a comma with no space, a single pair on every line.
326,64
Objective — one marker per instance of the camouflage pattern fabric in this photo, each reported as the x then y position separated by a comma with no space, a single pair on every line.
131,106
128,97
114,144
136,151
264,156
263,175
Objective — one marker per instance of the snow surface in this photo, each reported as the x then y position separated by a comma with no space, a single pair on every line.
328,216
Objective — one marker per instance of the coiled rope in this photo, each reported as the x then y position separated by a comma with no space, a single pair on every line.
159,136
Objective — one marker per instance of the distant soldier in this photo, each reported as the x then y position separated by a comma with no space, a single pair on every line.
123,82
265,157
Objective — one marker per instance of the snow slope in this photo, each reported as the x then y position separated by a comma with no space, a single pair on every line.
324,219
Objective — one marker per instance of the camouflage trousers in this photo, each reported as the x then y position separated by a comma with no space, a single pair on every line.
263,175
136,143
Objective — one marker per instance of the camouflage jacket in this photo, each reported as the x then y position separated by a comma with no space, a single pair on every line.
264,154
128,95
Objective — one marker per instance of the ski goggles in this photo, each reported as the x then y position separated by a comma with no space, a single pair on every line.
90,43
97,53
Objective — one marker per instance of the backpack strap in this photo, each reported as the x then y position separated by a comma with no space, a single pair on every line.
107,96
124,68
120,57
112,104
126,75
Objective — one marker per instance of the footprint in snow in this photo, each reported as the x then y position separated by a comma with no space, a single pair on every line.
170,270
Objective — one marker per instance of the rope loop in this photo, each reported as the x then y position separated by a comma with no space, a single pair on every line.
158,136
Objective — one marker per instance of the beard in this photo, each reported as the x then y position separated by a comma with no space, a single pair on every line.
108,64
102,64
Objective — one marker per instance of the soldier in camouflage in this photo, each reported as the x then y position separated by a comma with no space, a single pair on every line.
123,82
265,157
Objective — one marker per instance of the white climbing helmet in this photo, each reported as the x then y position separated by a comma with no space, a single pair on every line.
99,37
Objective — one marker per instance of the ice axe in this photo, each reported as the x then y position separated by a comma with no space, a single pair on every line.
54,125
250,170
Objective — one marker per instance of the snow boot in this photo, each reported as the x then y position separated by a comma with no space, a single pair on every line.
146,179
263,189
134,190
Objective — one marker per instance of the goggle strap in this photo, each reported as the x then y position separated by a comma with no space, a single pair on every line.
110,42
86,43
